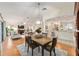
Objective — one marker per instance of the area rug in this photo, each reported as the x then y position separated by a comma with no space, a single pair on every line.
23,51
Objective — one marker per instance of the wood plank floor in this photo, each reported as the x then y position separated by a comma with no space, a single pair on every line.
70,50
9,48
0,53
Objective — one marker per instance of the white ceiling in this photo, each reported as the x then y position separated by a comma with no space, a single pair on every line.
18,12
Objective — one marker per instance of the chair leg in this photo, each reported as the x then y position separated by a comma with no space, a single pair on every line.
38,49
54,52
50,53
32,51
28,49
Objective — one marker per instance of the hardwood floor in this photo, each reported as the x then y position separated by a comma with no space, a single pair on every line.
0,53
9,48
70,50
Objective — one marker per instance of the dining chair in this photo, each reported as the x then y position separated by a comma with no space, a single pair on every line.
51,46
31,44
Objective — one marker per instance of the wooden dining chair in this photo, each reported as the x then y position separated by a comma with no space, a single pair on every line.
31,44
51,46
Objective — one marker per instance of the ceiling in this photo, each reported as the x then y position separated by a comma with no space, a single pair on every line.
19,12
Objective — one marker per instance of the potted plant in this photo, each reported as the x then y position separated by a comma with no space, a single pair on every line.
38,30
38,33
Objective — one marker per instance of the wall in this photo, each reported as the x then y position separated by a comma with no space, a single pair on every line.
64,36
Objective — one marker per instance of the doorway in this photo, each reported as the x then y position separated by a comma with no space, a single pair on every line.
77,37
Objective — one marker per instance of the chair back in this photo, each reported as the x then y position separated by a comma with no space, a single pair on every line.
54,42
28,39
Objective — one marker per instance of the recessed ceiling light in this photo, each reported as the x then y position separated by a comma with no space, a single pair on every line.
27,17
38,3
44,9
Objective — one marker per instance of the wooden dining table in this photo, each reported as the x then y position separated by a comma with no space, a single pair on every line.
42,42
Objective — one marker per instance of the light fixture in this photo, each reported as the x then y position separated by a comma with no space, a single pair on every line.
38,22
44,8
40,17
24,23
70,26
14,28
8,27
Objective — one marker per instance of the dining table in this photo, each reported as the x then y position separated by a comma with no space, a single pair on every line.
42,41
